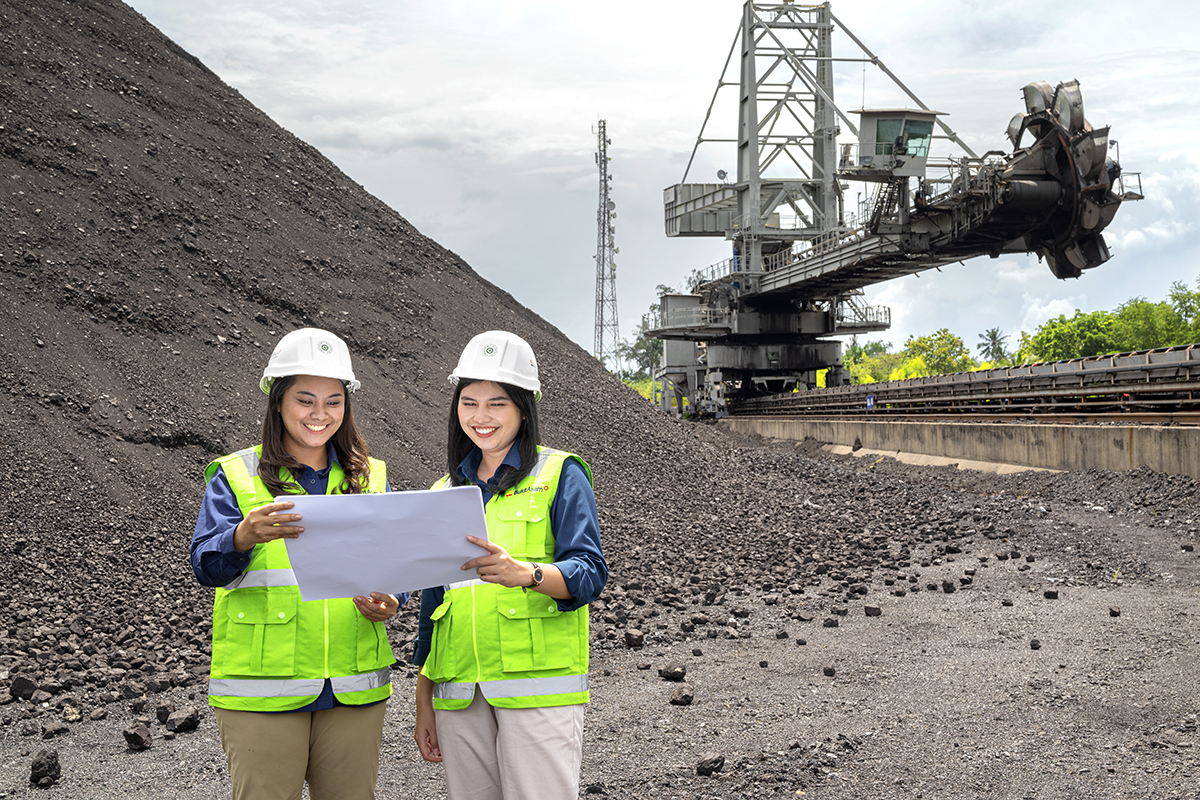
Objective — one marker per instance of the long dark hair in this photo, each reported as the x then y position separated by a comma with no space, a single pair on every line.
348,443
458,444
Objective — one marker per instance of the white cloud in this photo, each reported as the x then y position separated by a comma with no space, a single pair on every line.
1036,312
1019,270
1133,241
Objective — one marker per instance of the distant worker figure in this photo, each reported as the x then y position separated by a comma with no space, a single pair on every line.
325,662
504,654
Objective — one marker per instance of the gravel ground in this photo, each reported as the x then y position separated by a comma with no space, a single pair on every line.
158,234
937,695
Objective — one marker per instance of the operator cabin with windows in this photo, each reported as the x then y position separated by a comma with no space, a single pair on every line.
892,143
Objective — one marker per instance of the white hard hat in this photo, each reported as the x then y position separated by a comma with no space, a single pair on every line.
501,357
310,351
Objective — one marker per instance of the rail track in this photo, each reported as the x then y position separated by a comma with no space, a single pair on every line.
1147,387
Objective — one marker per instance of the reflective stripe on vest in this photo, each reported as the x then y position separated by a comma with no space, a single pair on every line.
542,460
265,687
250,458
307,687
262,577
363,682
462,584
517,687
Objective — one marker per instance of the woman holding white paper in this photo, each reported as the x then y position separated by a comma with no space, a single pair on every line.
298,687
504,653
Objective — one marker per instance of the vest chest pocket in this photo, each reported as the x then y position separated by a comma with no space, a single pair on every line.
260,638
374,649
526,530
534,634
437,664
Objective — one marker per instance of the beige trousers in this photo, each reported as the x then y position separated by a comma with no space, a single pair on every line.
272,755
515,753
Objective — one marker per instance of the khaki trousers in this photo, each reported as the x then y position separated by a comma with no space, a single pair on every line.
515,753
272,755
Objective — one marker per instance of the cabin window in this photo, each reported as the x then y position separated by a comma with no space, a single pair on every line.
886,132
917,135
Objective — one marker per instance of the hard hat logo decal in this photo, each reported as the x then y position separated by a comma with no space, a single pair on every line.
500,357
310,351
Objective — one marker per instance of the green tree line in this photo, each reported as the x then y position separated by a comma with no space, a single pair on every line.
1136,324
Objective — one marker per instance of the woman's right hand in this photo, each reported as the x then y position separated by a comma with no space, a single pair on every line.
425,730
265,524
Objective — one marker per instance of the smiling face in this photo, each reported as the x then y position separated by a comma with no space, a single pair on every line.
312,409
492,421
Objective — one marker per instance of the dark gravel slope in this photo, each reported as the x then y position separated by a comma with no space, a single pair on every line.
158,234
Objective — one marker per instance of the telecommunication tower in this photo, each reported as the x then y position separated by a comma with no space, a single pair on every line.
608,332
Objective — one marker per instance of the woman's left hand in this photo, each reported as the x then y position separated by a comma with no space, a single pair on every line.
498,566
377,607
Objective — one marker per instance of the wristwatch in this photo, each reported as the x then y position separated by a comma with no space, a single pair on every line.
538,576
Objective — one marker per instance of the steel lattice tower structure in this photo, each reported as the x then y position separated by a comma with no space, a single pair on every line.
608,332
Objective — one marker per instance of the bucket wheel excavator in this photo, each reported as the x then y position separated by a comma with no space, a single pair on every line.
763,321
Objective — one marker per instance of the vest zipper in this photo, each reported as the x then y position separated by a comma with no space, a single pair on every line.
326,608
474,637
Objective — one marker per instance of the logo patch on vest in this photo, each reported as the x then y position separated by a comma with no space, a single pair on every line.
513,492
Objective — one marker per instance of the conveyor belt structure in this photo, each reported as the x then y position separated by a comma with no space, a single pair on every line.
1160,382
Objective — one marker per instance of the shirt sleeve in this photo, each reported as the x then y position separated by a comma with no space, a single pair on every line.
214,561
430,599
576,527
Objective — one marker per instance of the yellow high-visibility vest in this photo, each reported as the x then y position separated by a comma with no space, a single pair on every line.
516,644
270,650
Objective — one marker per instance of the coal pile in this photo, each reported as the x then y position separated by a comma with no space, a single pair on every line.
158,234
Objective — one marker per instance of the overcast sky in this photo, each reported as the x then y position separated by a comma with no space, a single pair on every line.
475,121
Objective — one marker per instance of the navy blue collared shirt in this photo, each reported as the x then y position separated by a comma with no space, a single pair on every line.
573,521
215,562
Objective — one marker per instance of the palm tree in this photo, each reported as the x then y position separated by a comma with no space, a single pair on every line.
991,345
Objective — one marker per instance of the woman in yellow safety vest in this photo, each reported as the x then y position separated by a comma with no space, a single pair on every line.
298,687
504,653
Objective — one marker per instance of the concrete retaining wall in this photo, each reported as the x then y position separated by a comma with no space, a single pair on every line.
1175,450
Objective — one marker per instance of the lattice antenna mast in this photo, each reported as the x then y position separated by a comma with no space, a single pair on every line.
608,332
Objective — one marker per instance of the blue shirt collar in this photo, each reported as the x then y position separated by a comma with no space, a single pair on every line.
330,459
468,468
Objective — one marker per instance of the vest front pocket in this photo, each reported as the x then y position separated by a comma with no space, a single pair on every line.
534,634
374,649
522,529
261,636
437,664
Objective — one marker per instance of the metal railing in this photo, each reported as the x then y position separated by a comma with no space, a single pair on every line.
853,311
693,317
712,273
1129,186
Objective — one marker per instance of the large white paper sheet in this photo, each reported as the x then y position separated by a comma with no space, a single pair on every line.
355,544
